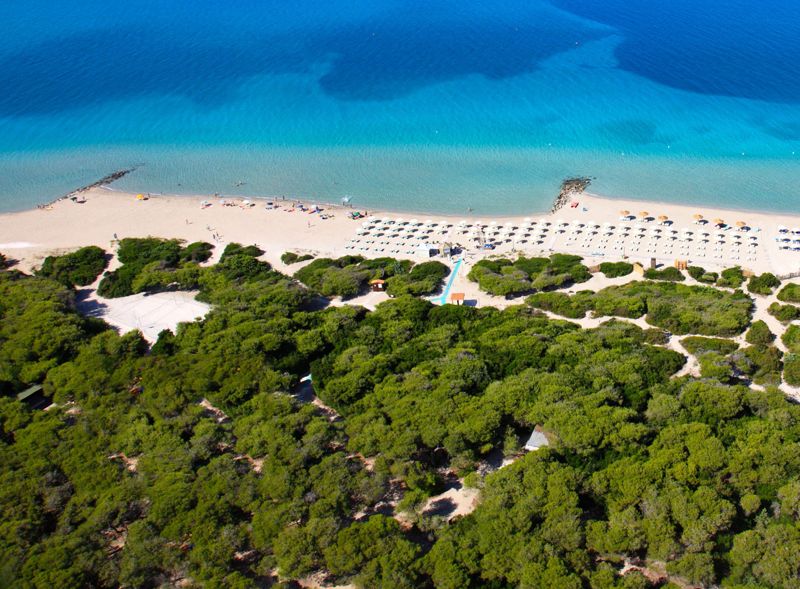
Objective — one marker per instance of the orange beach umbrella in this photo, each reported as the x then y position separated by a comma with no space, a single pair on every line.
643,214
741,223
719,222
698,216
624,212
662,217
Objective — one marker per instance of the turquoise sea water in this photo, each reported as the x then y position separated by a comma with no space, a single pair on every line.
403,104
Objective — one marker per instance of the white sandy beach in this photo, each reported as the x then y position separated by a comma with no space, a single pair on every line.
29,236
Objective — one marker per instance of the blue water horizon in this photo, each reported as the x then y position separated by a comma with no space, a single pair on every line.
443,107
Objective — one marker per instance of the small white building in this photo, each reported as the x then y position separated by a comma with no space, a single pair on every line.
537,440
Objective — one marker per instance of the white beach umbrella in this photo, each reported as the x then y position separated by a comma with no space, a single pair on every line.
527,219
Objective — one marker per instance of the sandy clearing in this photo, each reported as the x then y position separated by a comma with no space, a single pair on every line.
149,313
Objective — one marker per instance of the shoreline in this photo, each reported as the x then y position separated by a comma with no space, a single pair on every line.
308,201
104,214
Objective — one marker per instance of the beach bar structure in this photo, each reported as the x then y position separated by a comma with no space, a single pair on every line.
377,285
457,298
34,397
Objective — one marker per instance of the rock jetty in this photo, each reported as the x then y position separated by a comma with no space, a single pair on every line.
112,177
569,188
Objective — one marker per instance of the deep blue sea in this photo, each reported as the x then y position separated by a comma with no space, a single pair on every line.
435,105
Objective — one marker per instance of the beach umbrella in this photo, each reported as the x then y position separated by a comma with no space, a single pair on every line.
624,213
644,214
782,229
719,222
401,221
414,221
697,217
741,224
662,218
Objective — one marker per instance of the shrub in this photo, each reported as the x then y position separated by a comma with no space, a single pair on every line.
197,252
759,334
669,273
158,259
678,308
731,277
791,338
695,271
784,313
714,365
656,337
78,268
791,369
762,363
616,269
504,277
348,276
763,284
237,249
290,258
423,279
698,345
790,293
574,307
701,275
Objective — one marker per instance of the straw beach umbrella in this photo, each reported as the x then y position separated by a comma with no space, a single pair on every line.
662,218
644,214
719,222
